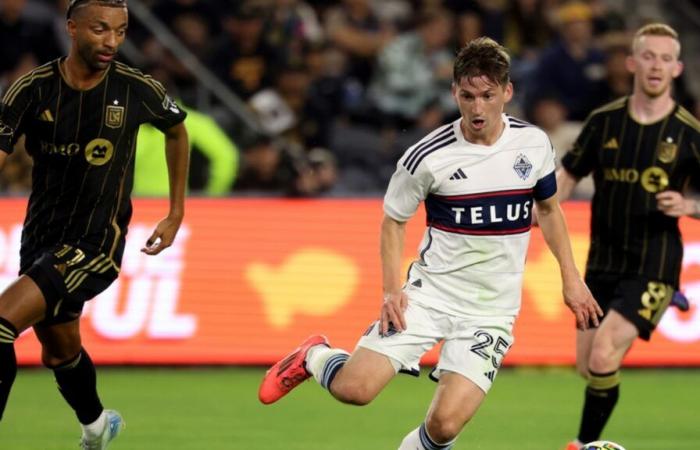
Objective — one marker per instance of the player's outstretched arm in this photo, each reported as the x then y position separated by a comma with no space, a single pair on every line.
576,294
177,157
395,301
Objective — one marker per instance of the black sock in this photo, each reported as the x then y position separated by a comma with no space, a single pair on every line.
77,382
8,361
602,393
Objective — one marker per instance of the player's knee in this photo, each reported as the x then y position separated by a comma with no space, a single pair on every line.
602,359
57,357
352,391
582,369
443,427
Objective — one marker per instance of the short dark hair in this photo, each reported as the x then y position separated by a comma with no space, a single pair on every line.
76,4
483,57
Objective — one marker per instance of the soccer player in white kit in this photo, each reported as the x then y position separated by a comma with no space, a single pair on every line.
479,178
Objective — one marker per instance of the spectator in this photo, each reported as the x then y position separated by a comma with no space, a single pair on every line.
26,43
469,27
526,29
193,30
331,93
490,14
354,28
169,10
618,80
277,168
292,27
415,70
573,67
242,58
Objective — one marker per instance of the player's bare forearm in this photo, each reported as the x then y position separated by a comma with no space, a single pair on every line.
566,183
177,153
551,220
177,157
576,295
394,302
3,155
392,241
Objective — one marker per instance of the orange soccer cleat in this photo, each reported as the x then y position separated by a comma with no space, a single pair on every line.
288,373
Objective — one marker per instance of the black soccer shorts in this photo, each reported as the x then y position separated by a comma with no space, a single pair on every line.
640,300
68,277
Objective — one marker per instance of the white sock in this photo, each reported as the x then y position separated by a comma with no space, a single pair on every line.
419,439
411,441
323,363
95,428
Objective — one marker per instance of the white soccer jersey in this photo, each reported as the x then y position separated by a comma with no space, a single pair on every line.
478,201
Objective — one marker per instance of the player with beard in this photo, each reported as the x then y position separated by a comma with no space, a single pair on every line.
644,152
80,115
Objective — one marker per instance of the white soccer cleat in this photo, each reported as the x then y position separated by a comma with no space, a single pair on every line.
114,424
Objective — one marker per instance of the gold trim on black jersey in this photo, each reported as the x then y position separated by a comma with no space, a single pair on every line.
612,106
58,110
687,118
631,236
26,80
154,84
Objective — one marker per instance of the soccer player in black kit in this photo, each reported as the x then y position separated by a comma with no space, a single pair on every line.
80,115
644,152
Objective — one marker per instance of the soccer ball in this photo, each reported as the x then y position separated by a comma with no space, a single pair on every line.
602,445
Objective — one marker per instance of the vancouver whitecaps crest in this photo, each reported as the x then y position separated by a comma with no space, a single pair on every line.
522,166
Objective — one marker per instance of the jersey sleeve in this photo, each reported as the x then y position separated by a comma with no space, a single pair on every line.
581,159
546,185
15,103
695,169
159,109
406,191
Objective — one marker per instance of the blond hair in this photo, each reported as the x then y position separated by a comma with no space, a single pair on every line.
655,29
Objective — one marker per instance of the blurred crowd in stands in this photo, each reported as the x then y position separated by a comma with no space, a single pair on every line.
340,88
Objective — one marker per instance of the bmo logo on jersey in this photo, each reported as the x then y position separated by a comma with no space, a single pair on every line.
491,213
99,151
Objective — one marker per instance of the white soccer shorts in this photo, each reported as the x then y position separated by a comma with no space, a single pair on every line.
473,347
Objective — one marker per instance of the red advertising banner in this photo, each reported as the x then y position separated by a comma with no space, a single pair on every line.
248,279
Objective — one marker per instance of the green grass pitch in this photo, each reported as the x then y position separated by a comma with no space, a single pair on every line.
217,408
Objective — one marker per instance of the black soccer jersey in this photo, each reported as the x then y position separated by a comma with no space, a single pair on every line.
632,162
83,144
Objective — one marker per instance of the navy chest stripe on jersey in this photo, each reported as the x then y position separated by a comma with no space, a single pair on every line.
489,213
415,157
